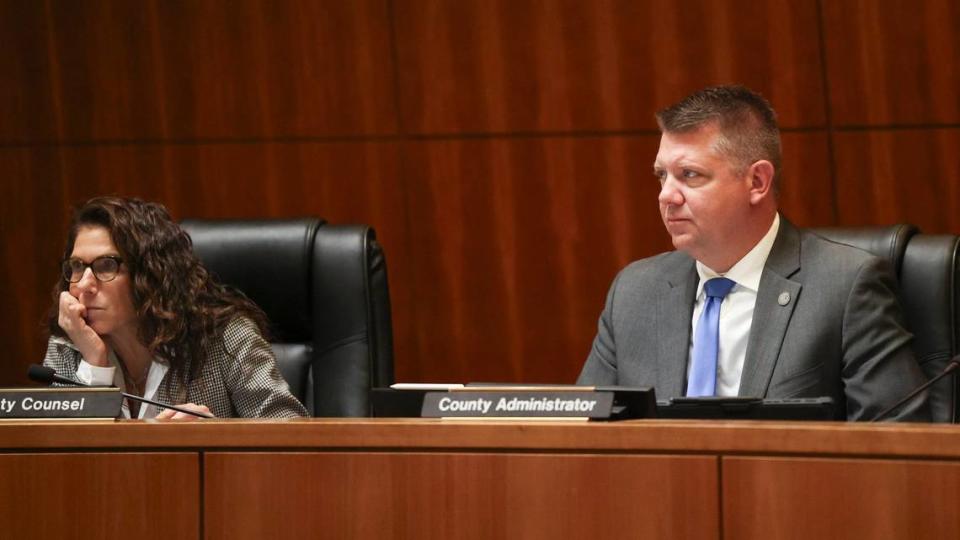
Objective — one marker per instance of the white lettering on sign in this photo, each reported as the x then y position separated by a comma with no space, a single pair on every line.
479,405
6,405
31,404
546,405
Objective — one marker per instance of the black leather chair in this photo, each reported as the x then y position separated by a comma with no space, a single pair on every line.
928,269
324,289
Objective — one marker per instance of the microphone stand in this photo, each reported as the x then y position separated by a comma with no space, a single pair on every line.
951,367
47,375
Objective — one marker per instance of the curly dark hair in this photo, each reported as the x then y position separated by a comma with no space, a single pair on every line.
181,309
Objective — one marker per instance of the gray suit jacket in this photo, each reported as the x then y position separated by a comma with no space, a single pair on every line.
840,335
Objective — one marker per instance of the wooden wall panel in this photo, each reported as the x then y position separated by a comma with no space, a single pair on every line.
514,244
25,98
464,496
521,65
501,148
184,69
342,182
910,176
32,230
806,192
110,496
893,62
784,499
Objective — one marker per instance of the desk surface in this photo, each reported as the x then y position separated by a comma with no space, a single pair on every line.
679,436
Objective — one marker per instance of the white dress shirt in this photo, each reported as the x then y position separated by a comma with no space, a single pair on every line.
736,311
106,376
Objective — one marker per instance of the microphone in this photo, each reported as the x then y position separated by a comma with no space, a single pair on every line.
47,375
952,366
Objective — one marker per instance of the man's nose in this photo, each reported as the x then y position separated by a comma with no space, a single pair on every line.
669,192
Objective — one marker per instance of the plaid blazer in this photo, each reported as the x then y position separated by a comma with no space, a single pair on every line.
239,377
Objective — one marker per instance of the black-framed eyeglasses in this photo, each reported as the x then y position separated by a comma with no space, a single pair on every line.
104,268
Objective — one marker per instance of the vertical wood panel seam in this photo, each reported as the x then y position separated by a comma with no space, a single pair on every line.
828,113
201,459
720,496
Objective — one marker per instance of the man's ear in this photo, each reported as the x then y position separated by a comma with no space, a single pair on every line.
761,181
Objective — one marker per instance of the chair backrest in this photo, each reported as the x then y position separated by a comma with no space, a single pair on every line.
324,289
928,269
930,288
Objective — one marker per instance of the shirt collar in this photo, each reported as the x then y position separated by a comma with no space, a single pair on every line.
747,271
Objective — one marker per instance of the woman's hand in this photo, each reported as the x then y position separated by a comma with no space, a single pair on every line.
170,414
88,342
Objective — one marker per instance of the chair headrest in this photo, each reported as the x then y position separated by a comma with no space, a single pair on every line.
887,242
269,260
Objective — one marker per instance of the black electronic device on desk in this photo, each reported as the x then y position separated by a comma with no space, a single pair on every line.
513,401
747,408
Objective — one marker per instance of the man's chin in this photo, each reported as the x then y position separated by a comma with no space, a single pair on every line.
681,241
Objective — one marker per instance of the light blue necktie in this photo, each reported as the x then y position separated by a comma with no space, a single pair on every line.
706,342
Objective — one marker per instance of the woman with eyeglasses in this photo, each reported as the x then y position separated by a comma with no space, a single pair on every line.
135,308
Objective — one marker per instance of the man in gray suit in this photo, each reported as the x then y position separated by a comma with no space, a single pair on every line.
748,304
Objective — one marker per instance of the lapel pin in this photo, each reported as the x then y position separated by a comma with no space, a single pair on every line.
784,298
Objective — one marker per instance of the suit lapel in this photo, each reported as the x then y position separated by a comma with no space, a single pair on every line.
675,309
776,298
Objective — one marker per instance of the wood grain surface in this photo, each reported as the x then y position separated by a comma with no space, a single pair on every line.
910,175
823,439
783,499
893,62
501,149
373,495
100,495
505,66
370,478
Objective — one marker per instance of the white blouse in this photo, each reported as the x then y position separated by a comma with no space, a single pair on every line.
113,375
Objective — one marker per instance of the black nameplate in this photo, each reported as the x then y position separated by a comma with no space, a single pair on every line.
517,404
60,402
